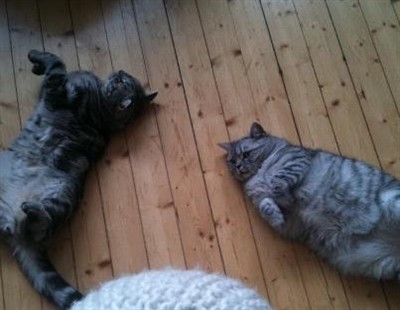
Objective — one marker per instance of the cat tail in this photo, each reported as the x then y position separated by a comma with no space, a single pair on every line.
43,276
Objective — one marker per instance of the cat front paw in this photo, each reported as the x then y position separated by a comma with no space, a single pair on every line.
271,212
7,227
280,189
37,222
35,58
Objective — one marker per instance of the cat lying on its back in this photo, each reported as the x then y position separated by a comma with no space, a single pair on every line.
345,210
42,173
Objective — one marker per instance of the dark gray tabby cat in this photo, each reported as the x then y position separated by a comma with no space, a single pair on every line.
345,210
42,173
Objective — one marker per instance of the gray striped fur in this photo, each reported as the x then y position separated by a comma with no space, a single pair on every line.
42,174
345,210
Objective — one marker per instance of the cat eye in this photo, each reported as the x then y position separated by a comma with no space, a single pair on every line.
124,104
246,154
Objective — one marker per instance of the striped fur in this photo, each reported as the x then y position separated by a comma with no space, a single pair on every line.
345,210
42,173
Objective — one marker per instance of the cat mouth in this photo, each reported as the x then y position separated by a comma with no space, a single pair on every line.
242,174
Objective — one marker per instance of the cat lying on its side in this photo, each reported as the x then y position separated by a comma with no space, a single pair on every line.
345,210
42,173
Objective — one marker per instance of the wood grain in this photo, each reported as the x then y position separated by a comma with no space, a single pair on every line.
181,157
384,29
89,236
320,73
369,81
236,240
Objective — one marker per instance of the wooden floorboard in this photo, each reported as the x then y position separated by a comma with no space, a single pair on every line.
235,238
384,28
228,60
158,211
89,236
321,73
369,81
197,229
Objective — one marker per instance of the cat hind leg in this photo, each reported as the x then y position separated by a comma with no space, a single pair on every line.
37,222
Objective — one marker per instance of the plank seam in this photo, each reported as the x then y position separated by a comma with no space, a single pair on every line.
159,133
380,62
126,141
194,135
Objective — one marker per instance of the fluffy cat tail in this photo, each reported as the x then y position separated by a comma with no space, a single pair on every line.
43,276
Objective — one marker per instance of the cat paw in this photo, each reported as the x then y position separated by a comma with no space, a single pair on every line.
271,212
37,222
35,58
7,230
278,188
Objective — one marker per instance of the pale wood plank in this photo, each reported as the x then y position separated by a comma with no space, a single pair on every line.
342,102
369,81
278,260
115,177
25,35
89,239
157,209
309,111
58,32
91,250
58,38
236,238
189,193
311,116
121,212
335,83
384,28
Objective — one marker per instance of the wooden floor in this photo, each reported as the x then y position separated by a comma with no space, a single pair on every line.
324,74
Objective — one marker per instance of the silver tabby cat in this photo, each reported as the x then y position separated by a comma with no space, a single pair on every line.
42,173
345,210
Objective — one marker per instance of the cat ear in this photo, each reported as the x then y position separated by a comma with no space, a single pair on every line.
226,146
124,104
257,131
150,97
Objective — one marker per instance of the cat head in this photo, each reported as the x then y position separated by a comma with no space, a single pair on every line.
246,155
125,99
